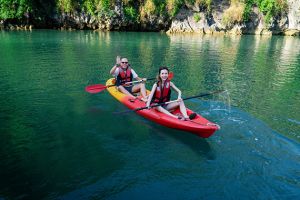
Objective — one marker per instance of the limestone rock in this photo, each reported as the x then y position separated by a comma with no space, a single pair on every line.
286,23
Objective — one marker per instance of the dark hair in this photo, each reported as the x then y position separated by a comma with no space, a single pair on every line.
162,68
159,70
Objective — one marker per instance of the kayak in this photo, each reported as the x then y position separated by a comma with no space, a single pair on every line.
199,125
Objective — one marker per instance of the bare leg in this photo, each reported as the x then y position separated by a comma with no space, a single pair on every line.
182,108
161,109
142,89
123,90
172,106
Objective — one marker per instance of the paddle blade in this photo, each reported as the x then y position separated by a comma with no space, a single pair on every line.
171,75
95,88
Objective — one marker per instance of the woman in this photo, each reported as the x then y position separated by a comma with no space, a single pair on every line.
161,92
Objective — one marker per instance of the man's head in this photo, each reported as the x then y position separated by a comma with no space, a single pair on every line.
124,62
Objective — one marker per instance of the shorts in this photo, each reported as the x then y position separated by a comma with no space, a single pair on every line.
163,105
129,89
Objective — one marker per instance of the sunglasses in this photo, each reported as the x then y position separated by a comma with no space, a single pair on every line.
125,62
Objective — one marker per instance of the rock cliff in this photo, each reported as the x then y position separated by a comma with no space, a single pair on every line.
217,17
193,20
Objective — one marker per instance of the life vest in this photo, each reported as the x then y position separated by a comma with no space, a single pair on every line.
124,76
162,94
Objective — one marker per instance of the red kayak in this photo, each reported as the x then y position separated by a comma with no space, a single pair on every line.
199,125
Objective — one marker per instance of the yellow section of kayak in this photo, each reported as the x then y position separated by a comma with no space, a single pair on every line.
113,89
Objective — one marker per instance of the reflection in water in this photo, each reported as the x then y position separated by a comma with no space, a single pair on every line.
287,61
261,73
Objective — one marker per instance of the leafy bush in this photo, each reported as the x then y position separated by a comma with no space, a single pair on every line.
197,17
208,4
248,9
67,5
90,6
173,6
131,13
234,14
104,5
272,8
149,7
10,9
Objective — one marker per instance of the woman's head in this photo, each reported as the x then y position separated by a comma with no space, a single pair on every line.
163,73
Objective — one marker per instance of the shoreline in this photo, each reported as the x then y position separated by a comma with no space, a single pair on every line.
262,32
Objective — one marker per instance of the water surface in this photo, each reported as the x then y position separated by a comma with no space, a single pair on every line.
59,142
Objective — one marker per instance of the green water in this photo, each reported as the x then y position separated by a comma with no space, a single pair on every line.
57,141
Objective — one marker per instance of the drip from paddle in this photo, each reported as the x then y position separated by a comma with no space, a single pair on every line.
99,87
168,102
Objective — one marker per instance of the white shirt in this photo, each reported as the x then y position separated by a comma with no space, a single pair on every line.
117,71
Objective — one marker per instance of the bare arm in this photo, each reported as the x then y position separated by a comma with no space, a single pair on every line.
176,89
151,94
113,69
141,79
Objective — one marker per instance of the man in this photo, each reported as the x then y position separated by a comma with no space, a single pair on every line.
124,75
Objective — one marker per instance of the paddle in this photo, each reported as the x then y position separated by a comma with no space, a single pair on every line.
99,87
161,104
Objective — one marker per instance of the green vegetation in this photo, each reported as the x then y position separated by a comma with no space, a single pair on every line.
67,5
234,14
90,6
137,10
241,10
270,8
197,17
10,9
131,13
94,7
248,9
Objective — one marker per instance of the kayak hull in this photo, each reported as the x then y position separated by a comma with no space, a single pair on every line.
199,126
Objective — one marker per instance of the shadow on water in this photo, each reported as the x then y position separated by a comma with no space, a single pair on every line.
198,145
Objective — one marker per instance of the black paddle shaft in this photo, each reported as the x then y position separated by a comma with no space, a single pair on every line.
192,97
130,83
